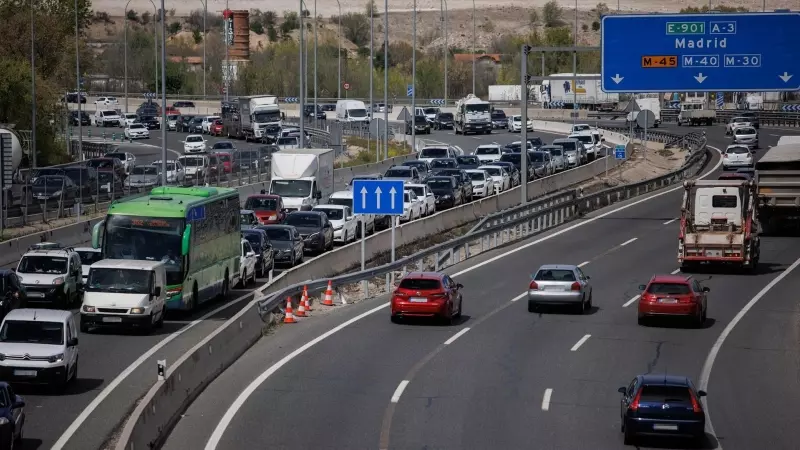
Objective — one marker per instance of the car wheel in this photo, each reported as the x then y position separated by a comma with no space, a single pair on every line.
641,320
697,320
460,307
628,438
243,279
589,303
532,307
395,319
160,321
84,327
580,308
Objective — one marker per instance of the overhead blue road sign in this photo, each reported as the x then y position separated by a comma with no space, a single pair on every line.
749,52
619,152
409,90
383,197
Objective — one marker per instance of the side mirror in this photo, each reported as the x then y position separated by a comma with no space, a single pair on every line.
701,393
318,195
250,254
706,289
459,285
187,240
350,217
622,390
157,291
642,287
72,342
19,404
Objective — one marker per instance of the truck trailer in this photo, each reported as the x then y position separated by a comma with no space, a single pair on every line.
302,176
778,178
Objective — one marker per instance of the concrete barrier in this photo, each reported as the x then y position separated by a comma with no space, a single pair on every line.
160,408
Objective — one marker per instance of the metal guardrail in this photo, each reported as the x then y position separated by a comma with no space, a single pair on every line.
768,118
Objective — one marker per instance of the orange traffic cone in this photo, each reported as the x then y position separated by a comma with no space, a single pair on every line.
289,316
304,299
301,309
328,300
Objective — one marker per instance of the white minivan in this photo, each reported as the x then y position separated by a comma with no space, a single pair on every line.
124,293
351,111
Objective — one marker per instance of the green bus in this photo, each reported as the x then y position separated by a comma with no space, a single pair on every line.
194,230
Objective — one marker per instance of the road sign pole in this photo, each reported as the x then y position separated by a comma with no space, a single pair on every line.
523,148
365,283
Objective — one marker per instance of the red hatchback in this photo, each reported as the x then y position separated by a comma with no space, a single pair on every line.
674,295
427,294
267,207
217,128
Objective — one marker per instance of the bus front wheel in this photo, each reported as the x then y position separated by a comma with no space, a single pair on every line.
193,301
225,285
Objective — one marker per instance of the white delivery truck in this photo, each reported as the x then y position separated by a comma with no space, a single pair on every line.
351,111
302,176
255,114
649,103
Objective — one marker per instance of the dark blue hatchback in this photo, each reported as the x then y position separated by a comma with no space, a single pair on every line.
12,416
662,405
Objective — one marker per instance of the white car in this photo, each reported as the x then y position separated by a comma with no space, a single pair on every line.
425,195
137,131
345,198
207,122
482,182
105,102
172,122
737,122
488,153
412,206
247,265
746,135
581,127
128,119
194,143
343,221
500,177
127,159
736,156
194,166
106,118
515,124
175,171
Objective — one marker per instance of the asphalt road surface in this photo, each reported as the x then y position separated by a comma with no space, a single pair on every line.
504,378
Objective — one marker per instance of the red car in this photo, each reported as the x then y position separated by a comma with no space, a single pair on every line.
171,110
427,294
216,128
225,161
267,207
674,295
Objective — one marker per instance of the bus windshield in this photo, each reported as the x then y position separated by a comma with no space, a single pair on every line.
146,238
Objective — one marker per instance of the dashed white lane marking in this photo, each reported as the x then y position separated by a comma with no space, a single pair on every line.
519,297
675,271
546,399
583,263
399,391
579,343
670,221
628,242
456,336
628,303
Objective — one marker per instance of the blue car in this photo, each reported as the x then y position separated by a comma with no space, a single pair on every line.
12,416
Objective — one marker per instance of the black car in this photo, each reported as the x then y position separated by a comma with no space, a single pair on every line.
84,118
73,97
463,178
308,112
443,121
223,146
53,188
423,168
151,122
259,240
516,147
12,292
147,109
314,227
536,142
446,190
467,162
287,244
512,170
661,404
499,119
421,125
443,163
183,104
271,133
85,179
183,123
195,125
516,160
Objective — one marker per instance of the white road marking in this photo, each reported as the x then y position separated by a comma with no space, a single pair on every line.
670,221
628,242
519,297
579,343
237,404
584,263
675,271
456,336
705,374
628,303
399,391
546,399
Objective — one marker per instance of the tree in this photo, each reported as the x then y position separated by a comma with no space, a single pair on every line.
256,27
145,18
595,26
270,18
174,28
533,18
198,38
371,8
132,15
552,14
355,28
272,33
585,27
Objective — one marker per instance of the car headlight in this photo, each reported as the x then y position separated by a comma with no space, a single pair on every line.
88,309
3,421
138,310
56,358
338,227
58,281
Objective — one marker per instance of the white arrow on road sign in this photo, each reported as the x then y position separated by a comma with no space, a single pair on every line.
394,194
700,78
378,193
617,79
785,77
363,198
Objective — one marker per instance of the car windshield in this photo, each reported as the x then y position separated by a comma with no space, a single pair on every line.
669,289
101,163
145,170
737,150
191,161
254,238
42,264
433,153
341,201
514,158
194,139
303,220
278,234
420,165
130,116
744,130
110,113
33,332
406,197
419,190
136,126
555,151
49,181
444,164
470,160
247,219
431,110
537,156
291,188
287,141
261,204
223,146
88,257
568,146
445,116
440,183
487,151
584,139
398,172
420,120
420,284
554,275
359,112
477,176
517,118
129,281
498,115
332,213
492,170
662,394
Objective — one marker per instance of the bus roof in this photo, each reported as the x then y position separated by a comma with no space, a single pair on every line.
169,201
781,153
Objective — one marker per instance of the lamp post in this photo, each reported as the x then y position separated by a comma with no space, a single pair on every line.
339,42
78,83
473,46
228,71
315,59
414,80
302,81
371,72
386,82
163,96
205,17
446,52
33,91
575,71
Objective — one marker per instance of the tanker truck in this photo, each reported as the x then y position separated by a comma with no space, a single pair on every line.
473,115
10,164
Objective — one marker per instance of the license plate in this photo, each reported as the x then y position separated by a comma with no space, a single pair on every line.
36,294
112,319
553,288
665,427
418,300
715,253
25,373
668,300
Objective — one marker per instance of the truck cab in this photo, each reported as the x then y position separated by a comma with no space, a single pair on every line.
351,111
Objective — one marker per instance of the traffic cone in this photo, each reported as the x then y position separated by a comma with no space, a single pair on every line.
289,316
301,309
328,300
304,299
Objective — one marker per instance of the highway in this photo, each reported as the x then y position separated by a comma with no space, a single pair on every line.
506,378
117,369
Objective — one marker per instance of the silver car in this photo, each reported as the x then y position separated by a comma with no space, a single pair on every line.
143,177
556,156
560,285
745,136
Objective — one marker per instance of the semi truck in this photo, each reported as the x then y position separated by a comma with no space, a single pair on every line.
581,91
647,103
778,178
302,176
511,93
473,115
249,118
719,224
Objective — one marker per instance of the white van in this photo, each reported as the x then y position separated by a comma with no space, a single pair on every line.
351,111
124,293
345,198
106,118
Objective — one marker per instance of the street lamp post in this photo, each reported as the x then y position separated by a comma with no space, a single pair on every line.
315,59
473,47
371,73
414,80
163,96
33,91
386,81
302,81
339,42
205,17
78,83
446,53
228,75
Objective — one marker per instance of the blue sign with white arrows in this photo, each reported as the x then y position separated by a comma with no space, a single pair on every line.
409,90
382,197
619,152
741,52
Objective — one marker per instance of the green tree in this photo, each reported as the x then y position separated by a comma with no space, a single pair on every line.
174,28
256,27
595,26
270,18
272,33
198,38
132,15
552,14
533,18
145,19
355,28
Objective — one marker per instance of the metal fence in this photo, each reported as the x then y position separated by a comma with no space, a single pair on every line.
767,118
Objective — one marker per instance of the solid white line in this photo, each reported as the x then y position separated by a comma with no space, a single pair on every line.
399,391
456,336
628,303
519,297
579,343
675,271
546,399
73,427
628,242
226,419
670,221
705,374
583,263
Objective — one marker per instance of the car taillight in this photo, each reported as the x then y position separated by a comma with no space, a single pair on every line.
438,295
725,156
686,300
533,286
575,286
695,404
634,406
400,294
